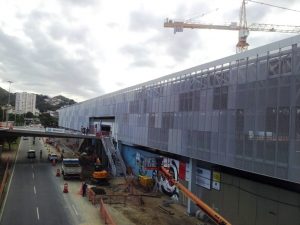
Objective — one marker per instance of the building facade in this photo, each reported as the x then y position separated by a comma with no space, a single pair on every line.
236,114
25,102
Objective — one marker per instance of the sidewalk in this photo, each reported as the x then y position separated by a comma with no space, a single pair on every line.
84,212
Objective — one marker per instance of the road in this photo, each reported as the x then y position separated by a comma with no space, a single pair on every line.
35,194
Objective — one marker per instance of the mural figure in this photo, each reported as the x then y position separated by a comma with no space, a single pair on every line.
163,184
145,164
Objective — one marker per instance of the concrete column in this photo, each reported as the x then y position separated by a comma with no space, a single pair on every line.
191,207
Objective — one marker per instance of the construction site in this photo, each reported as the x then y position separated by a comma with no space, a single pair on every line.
217,143
219,139
128,199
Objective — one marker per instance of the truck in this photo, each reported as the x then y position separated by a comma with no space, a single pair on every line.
31,154
70,168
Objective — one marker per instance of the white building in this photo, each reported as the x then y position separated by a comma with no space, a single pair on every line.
25,102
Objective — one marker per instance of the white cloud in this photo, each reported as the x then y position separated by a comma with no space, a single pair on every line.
82,49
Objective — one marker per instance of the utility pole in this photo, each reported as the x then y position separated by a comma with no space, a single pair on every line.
8,102
10,82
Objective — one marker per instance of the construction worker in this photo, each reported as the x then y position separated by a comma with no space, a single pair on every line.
84,187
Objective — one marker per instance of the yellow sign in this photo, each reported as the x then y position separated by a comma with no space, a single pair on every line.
216,176
216,184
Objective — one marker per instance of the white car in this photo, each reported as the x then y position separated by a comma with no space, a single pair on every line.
52,156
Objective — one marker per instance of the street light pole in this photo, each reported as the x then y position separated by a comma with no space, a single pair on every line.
10,82
8,102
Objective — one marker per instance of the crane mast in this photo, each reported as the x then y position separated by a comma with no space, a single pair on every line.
242,44
242,28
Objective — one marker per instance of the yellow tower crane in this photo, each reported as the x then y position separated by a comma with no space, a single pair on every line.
242,27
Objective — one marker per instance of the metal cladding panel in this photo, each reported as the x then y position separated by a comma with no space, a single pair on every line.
241,111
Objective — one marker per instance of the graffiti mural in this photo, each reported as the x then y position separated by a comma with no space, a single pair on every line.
144,163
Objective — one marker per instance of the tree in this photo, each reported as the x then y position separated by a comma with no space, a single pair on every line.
20,119
1,114
10,140
11,117
29,115
48,121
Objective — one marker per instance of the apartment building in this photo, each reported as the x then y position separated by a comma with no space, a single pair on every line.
25,102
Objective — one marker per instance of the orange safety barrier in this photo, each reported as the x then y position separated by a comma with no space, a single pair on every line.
105,214
81,189
58,172
91,196
4,181
66,189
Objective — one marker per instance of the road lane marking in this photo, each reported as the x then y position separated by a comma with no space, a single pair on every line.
37,213
75,210
33,175
34,190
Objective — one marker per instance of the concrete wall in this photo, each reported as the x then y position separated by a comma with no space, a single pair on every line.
246,202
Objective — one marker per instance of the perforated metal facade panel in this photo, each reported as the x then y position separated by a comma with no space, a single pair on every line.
242,111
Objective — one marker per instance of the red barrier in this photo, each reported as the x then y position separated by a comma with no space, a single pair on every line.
66,189
105,214
4,180
103,133
58,172
91,196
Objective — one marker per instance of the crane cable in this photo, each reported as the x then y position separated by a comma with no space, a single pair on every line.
200,15
280,7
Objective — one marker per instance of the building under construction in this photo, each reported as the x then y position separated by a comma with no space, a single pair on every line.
230,129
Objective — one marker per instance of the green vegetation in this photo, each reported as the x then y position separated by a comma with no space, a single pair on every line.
29,115
4,97
11,140
48,121
10,143
19,119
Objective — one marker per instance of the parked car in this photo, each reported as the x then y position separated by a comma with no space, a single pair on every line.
31,154
52,156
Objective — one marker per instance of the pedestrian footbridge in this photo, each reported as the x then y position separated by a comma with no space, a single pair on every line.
43,132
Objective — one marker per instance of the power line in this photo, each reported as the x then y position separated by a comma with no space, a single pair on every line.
276,6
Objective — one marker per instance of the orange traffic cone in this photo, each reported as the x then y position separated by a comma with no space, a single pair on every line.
58,172
66,188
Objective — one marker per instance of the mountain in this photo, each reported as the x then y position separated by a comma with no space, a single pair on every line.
43,102
4,97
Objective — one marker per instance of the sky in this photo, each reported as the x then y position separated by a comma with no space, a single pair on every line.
85,48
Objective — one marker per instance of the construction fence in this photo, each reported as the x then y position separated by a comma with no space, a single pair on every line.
4,182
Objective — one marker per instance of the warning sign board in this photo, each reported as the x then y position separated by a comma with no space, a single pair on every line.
216,184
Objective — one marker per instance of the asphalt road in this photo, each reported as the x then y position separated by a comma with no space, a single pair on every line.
35,195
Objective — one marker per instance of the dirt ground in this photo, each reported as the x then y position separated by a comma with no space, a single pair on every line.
145,210
151,213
